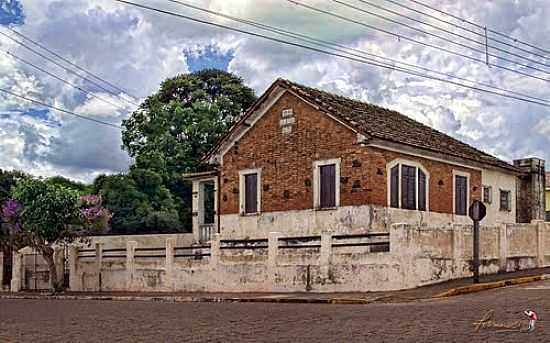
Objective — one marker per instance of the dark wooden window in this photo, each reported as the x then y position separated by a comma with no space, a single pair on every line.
394,187
328,186
461,195
421,190
505,201
251,193
408,187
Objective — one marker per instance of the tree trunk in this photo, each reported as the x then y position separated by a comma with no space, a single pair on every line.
55,284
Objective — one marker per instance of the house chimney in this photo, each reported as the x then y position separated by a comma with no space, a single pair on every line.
530,190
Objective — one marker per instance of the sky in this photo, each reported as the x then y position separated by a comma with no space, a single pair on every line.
136,50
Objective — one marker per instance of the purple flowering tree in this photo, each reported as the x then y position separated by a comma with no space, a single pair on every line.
42,215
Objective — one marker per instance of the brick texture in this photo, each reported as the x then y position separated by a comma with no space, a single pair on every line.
287,160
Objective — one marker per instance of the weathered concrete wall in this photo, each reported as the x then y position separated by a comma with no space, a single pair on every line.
418,255
343,220
156,240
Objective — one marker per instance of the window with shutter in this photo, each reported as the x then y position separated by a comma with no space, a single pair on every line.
251,193
328,186
421,190
408,187
487,194
505,201
394,187
461,195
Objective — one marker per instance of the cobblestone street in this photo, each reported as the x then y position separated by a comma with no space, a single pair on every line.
446,320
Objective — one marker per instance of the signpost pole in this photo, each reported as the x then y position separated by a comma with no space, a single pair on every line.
476,251
477,212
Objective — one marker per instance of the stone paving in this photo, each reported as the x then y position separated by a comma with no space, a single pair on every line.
441,320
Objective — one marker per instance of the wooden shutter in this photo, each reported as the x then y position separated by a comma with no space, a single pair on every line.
328,186
461,192
251,193
394,187
408,187
505,201
421,190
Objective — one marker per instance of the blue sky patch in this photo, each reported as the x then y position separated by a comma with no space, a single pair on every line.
208,57
37,113
11,12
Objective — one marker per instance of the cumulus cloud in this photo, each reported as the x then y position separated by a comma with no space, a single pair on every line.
137,49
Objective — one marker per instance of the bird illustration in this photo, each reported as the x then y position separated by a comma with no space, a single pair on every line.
532,315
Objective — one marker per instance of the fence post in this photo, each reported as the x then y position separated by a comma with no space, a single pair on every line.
272,252
169,262
130,264
215,251
502,247
325,253
16,271
1,270
539,226
74,285
59,260
99,262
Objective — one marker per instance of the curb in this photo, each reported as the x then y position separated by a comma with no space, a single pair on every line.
335,301
282,300
490,285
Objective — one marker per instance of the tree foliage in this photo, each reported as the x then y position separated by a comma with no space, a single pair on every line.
42,214
183,120
170,133
140,203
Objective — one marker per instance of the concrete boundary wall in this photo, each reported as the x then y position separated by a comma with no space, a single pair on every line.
323,263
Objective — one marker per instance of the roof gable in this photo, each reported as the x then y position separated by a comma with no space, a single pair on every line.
371,121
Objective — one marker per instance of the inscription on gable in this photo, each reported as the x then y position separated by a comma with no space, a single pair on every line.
287,121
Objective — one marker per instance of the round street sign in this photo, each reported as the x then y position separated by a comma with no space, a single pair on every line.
477,211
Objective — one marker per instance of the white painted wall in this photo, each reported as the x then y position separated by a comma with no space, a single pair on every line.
498,180
418,256
343,220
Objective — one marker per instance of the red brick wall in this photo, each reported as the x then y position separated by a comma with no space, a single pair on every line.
287,160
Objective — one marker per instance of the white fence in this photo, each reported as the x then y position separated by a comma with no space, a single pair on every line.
408,256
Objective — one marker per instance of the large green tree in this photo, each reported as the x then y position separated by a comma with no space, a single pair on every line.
175,127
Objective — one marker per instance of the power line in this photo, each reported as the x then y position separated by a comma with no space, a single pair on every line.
69,62
484,44
399,36
60,109
61,66
324,51
330,45
62,80
479,26
397,3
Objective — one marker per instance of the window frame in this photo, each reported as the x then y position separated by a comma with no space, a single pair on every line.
418,166
508,203
490,200
242,191
468,184
317,182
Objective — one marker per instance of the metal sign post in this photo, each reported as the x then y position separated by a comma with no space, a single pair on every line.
477,212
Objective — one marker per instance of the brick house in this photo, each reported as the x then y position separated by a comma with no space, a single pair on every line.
301,161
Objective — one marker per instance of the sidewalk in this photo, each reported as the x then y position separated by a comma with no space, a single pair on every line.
415,294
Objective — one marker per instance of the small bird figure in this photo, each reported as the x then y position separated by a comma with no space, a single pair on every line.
532,315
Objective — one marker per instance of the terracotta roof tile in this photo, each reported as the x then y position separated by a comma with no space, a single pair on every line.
382,123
